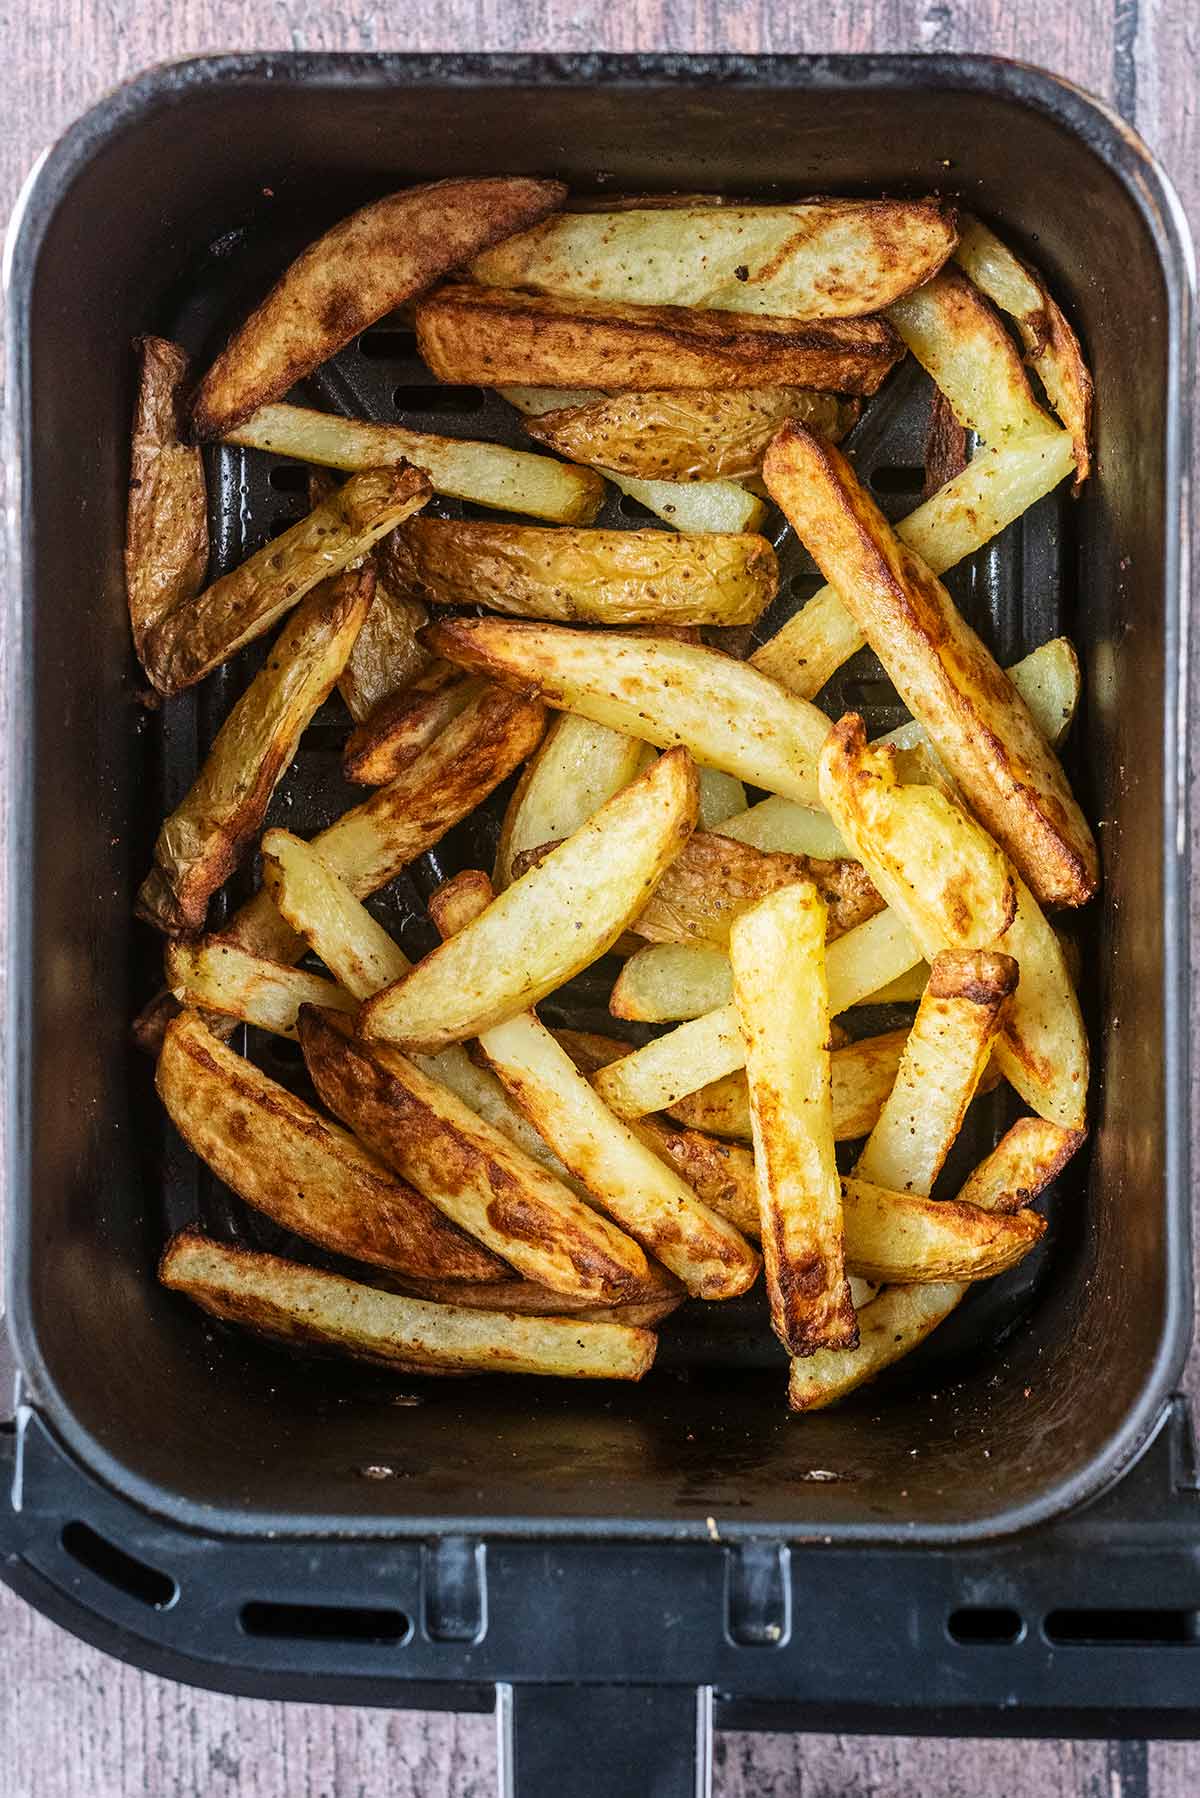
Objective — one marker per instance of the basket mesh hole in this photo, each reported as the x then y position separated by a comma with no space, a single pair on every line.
116,1568
324,1623
987,1626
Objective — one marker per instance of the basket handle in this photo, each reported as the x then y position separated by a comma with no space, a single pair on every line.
604,1741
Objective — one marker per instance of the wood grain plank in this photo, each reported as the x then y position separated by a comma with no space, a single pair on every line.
74,1724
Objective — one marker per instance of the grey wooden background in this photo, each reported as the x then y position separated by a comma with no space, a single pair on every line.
76,1725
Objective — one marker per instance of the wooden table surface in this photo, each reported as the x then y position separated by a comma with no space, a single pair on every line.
75,1723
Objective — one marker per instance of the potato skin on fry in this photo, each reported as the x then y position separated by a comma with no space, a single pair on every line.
166,524
488,336
205,837
361,268
587,576
295,1166
405,723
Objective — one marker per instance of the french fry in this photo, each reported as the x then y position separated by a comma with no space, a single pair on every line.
720,1173
1051,346
947,1051
684,436
981,727
361,268
467,1168
722,798
588,577
957,337
727,713
1030,1154
205,837
945,878
890,1327
300,1169
777,951
548,925
527,1299
715,878
819,259
486,474
407,722
166,523
578,767
994,489
626,1179
488,337
215,975
781,826
1049,681
205,631
369,845
905,1238
309,1308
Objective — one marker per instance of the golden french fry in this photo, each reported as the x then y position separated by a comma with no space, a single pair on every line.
526,1298
1049,681
818,259
388,652
625,1177
300,1169
681,435
715,878
777,951
781,826
304,1306
548,925
205,837
668,982
407,722
996,486
956,335
202,632
890,1327
361,268
720,1173
941,873
486,474
588,577
489,337
166,523
722,798
216,975
947,1051
1051,346
725,712
906,1238
369,845
981,727
1030,1154
466,1167
578,767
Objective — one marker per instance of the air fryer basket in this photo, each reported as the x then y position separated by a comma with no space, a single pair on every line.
169,208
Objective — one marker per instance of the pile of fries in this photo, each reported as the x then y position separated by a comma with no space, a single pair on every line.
503,1196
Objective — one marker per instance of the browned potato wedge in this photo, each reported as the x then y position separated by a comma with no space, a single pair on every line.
906,1238
948,1048
525,1298
981,727
588,577
777,951
311,1309
205,837
407,722
484,336
890,1327
684,435
466,1167
1051,346
204,632
953,888
724,711
1030,1154
996,486
554,921
578,767
216,975
300,1169
626,1179
815,259
369,845
486,474
1049,680
720,1173
715,878
956,335
166,524
366,265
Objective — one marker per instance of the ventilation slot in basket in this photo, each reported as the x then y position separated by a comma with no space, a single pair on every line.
325,1623
118,1569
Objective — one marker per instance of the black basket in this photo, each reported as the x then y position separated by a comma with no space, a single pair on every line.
202,1505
